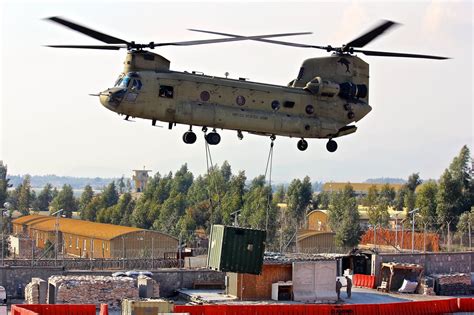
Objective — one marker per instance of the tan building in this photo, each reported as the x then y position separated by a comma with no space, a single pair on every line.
80,238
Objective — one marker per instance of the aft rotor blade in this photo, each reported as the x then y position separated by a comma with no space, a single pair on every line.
363,40
224,40
395,54
88,31
104,47
266,40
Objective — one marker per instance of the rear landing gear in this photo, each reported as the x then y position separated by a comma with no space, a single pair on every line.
331,146
302,145
189,137
213,138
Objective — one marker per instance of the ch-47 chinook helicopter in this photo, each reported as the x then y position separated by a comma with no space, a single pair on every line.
327,97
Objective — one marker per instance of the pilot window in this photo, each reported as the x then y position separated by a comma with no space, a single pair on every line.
166,91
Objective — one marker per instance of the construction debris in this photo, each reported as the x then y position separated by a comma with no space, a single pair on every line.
93,289
452,284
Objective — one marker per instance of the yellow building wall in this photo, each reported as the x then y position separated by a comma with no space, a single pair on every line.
318,221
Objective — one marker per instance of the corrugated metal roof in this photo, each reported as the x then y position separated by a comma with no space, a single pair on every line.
77,227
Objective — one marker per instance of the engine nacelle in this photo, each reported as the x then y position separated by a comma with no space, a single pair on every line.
346,90
318,86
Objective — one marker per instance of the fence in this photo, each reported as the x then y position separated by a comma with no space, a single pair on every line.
97,264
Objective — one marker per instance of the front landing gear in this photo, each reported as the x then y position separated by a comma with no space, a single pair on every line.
331,146
302,145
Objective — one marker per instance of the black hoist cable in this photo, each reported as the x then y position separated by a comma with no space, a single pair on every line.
268,170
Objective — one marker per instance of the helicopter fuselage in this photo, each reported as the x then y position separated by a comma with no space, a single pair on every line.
319,109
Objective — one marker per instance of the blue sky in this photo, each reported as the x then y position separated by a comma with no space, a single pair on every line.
422,109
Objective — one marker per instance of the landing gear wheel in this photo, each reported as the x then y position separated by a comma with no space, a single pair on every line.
331,146
240,135
302,145
213,138
189,137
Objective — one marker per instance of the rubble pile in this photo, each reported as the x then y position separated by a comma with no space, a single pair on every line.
94,289
452,284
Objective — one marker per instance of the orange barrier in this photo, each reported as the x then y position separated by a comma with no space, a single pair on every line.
466,304
432,307
53,309
366,281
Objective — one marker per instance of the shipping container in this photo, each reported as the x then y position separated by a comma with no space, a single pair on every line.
234,249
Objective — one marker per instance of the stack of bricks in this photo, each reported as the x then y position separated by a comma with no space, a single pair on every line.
426,286
452,284
32,293
35,291
94,289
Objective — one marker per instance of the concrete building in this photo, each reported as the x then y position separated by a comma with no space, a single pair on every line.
78,238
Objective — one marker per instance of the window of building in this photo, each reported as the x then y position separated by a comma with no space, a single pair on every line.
85,245
166,91
77,242
70,241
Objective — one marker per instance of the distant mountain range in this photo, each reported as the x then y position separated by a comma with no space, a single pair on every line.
37,181
97,183
386,180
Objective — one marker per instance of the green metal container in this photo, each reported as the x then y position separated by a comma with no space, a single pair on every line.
234,249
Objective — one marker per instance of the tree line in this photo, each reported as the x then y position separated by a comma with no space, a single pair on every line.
180,203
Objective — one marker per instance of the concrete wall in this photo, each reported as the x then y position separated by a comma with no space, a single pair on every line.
432,262
169,279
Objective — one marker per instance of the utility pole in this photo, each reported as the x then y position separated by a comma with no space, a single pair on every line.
413,229
396,230
56,245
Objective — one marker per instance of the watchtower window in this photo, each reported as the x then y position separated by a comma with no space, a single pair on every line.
166,91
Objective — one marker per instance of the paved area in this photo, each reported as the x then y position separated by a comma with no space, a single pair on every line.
368,296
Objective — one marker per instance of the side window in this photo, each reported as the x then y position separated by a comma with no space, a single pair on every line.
166,91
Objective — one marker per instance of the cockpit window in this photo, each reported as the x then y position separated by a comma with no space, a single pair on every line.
125,79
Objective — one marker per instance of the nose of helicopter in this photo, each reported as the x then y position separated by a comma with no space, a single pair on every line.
104,98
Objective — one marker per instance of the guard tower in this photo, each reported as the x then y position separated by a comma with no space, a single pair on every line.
140,178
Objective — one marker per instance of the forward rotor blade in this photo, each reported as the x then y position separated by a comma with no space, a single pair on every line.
266,40
88,31
395,54
224,40
363,40
104,47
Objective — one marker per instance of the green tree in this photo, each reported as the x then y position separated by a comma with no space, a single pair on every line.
343,217
89,212
86,198
413,181
377,207
299,196
426,202
121,185
44,198
388,193
4,183
448,193
24,196
64,200
110,195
